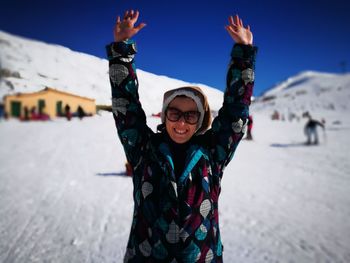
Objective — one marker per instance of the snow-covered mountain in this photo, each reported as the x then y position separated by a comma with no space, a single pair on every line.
29,65
323,95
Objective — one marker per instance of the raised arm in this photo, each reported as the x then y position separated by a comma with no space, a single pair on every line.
229,126
128,114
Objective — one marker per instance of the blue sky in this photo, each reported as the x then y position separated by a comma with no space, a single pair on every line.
187,40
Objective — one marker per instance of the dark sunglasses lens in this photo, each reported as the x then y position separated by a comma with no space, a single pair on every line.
192,117
173,114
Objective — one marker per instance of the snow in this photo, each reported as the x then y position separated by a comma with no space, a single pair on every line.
64,196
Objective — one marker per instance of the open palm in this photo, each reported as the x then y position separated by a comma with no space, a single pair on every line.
125,29
239,33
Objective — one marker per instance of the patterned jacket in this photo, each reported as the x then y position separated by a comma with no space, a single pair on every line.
177,220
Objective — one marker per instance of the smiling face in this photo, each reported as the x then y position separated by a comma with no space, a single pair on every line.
181,131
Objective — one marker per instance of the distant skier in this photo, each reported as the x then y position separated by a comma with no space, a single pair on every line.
310,130
81,112
2,111
67,112
26,113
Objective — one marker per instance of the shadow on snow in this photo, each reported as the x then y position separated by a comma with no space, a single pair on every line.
286,145
123,174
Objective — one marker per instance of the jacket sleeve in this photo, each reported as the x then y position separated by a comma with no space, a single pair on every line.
130,119
229,126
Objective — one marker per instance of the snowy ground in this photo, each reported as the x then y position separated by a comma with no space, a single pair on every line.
63,197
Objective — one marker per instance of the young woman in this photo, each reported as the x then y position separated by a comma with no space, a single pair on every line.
177,171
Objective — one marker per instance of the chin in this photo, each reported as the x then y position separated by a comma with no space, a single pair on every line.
178,138
180,141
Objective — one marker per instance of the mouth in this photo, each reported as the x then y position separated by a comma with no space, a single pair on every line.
180,131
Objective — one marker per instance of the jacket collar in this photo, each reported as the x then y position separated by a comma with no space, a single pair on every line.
193,155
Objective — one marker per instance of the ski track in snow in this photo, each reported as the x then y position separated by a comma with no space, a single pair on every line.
64,198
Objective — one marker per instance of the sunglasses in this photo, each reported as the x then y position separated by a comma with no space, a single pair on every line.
174,114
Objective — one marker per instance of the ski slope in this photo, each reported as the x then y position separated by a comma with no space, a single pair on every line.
64,196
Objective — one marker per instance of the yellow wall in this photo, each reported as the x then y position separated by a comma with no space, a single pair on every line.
51,97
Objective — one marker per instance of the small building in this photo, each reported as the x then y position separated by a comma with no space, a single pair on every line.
47,102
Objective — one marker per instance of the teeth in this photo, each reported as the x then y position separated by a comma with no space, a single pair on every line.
180,131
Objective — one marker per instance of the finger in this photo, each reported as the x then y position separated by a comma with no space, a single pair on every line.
229,28
230,20
236,20
232,28
248,27
118,20
140,26
136,15
131,14
115,31
241,22
126,14
231,31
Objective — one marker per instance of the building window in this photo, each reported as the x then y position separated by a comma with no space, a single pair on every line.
41,106
59,108
16,107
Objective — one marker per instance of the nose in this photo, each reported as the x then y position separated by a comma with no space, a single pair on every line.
181,120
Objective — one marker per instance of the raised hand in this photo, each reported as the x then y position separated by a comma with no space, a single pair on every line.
239,33
125,29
